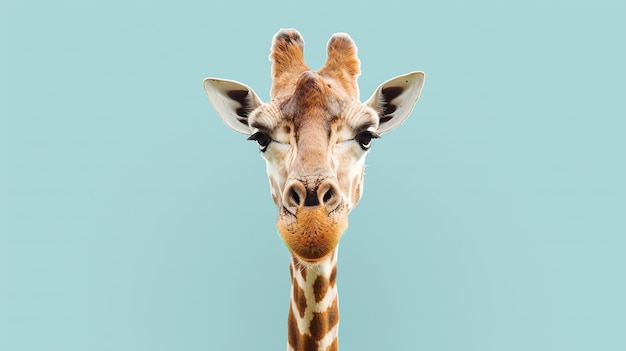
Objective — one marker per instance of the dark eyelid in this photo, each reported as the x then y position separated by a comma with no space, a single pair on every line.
373,134
255,136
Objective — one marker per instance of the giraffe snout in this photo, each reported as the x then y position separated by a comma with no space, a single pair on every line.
315,222
298,194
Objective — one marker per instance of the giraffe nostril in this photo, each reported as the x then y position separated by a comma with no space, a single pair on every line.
328,195
295,197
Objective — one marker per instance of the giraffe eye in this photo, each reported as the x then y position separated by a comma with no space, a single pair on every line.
262,139
365,139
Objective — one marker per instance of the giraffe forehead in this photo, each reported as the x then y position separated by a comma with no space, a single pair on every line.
312,108
313,120
313,98
317,106
321,100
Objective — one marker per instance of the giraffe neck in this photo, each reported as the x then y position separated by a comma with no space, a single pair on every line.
314,311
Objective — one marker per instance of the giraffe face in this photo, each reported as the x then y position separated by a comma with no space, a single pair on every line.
314,143
314,135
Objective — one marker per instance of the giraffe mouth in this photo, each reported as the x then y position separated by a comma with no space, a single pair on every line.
312,233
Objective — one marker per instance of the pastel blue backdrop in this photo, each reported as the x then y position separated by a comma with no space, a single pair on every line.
131,218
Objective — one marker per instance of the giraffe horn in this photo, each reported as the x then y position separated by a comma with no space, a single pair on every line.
287,56
343,63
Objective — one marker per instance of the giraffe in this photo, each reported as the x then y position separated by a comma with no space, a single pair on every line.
314,134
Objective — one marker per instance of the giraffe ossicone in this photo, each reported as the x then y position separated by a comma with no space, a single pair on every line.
314,134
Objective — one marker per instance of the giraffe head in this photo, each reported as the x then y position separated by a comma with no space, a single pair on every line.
314,134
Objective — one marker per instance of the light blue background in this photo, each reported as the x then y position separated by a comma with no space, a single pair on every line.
131,218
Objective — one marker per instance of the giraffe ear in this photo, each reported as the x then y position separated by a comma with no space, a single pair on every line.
395,98
233,102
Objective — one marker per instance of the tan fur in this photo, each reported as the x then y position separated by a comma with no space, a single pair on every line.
342,64
314,235
287,56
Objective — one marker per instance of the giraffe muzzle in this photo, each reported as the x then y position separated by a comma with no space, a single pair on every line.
315,220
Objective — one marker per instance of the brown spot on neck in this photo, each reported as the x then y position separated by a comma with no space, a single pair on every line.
299,342
323,322
315,287
333,276
299,298
320,287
